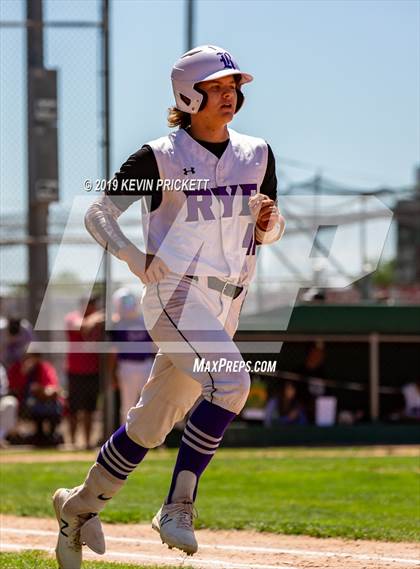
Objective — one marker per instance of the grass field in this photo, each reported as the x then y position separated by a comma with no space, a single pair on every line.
324,496
35,560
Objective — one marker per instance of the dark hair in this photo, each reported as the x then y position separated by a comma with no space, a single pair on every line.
178,118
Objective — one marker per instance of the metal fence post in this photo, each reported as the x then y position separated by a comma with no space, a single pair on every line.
374,375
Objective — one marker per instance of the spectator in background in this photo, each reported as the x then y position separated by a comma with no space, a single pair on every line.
8,408
314,364
35,383
314,367
411,392
132,367
288,405
15,336
82,368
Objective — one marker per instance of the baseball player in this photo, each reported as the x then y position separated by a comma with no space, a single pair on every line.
200,251
132,369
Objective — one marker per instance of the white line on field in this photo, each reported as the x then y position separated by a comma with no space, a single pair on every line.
155,558
243,548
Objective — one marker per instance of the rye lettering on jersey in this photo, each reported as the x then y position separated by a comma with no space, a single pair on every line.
199,202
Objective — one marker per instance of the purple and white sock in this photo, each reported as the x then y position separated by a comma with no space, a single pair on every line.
120,455
202,436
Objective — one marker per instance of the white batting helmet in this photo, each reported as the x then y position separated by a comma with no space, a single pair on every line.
202,63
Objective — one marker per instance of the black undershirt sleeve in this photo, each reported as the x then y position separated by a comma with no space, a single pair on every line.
142,165
139,166
269,184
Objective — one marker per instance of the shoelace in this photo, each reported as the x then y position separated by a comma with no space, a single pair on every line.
185,512
74,536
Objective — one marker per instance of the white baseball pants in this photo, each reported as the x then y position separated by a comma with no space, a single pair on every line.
132,377
188,322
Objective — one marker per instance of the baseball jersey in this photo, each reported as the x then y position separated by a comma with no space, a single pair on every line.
228,250
207,228
142,166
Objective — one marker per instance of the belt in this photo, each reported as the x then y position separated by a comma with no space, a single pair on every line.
224,287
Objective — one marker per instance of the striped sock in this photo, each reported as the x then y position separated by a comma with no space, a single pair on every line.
120,455
202,436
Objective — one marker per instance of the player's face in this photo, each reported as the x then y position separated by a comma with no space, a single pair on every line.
221,99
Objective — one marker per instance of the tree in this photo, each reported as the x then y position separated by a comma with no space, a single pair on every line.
385,273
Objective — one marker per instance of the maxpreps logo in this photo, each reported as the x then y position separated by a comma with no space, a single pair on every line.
200,202
221,365
328,213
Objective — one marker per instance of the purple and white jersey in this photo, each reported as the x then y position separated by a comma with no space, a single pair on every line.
206,231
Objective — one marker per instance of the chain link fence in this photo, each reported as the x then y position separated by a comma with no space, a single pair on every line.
72,46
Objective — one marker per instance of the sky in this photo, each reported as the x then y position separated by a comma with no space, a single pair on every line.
336,89
336,82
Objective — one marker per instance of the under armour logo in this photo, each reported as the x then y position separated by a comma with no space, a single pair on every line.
189,171
226,59
64,526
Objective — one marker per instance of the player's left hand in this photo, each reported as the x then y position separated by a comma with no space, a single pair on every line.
265,211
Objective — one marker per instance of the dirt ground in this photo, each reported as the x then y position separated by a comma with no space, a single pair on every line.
220,549
17,455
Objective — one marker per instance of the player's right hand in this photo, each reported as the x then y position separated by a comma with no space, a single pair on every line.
156,269
149,268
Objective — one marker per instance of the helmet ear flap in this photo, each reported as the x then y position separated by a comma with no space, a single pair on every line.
239,100
204,101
